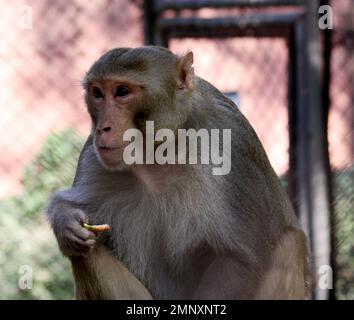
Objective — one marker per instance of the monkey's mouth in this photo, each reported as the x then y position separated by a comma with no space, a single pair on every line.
111,148
111,155
108,148
109,152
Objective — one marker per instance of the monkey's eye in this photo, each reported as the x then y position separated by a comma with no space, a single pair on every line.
122,91
97,93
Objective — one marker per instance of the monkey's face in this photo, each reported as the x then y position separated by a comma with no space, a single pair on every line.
113,106
126,87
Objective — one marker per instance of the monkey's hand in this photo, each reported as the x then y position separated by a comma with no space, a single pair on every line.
73,238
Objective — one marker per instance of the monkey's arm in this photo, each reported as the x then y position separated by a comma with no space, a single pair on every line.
64,200
79,172
97,274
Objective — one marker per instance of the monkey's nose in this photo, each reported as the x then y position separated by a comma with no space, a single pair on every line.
105,129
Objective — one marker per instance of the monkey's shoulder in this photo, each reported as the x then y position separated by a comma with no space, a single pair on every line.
215,96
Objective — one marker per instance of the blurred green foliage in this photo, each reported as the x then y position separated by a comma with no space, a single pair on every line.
344,209
26,239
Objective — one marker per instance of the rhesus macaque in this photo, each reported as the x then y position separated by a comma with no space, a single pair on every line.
181,231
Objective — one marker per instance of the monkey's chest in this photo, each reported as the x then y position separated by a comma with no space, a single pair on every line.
153,244
155,237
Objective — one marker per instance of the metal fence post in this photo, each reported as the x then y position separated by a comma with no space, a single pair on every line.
312,152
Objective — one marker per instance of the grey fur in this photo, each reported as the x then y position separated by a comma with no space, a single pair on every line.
157,235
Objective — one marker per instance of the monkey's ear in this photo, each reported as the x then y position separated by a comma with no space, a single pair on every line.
186,72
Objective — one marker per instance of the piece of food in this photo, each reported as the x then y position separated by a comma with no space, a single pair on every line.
97,228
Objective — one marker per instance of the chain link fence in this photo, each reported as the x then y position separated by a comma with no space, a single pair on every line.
45,49
341,143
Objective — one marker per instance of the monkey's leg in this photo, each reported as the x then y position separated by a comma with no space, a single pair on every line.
288,276
101,276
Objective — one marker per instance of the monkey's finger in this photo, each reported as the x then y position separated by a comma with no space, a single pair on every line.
76,228
86,246
80,244
80,216
82,233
